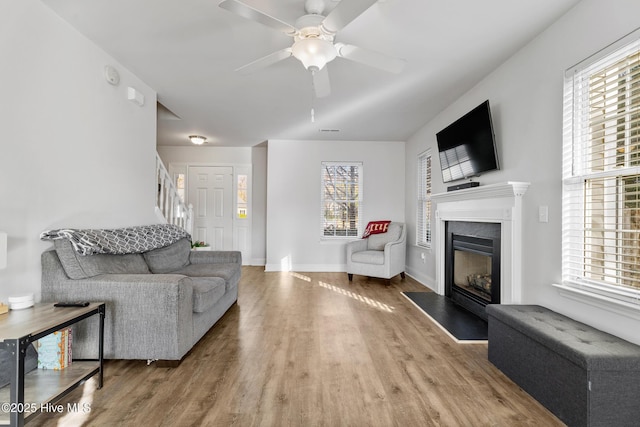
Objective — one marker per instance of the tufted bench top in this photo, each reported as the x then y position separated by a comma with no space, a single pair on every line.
584,345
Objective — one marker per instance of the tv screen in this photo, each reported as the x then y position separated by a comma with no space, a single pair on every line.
467,146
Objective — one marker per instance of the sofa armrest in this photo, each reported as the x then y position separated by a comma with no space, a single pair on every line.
395,252
215,257
147,316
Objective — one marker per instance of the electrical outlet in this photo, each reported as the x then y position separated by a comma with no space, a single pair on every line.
423,257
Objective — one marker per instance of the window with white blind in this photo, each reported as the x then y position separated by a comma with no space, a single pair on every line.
341,199
601,174
423,205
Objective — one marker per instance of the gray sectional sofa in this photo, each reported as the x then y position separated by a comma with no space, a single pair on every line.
158,303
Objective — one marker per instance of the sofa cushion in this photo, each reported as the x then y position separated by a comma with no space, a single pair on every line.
169,258
584,345
84,266
376,242
206,292
230,272
368,257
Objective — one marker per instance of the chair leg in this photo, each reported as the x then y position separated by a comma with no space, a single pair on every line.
350,276
402,275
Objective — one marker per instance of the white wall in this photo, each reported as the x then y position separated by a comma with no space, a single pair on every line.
256,157
293,198
73,151
526,99
259,200
205,155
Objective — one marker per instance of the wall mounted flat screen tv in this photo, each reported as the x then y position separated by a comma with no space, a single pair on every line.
467,146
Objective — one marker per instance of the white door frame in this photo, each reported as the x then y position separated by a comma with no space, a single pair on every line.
241,227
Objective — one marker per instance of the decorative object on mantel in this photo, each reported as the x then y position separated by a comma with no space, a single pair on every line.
470,184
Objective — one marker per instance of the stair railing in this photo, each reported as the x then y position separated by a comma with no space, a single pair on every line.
170,207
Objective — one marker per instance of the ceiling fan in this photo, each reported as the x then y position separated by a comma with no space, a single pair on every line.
314,35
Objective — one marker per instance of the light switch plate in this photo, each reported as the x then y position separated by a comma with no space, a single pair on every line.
543,214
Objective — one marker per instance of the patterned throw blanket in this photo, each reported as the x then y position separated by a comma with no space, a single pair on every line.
119,241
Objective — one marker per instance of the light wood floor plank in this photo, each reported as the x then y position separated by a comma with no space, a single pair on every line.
313,349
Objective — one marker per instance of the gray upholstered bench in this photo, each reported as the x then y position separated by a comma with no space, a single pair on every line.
586,377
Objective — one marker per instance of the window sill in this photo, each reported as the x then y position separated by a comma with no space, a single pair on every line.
600,301
337,240
422,247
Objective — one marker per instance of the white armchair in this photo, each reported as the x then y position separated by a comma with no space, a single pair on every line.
379,255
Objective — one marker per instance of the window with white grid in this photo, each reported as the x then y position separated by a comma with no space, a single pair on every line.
423,205
341,199
601,174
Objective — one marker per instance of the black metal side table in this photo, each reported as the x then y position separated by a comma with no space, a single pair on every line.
18,329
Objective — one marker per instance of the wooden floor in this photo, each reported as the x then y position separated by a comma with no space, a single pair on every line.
312,349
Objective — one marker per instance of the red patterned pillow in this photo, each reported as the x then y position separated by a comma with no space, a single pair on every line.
375,227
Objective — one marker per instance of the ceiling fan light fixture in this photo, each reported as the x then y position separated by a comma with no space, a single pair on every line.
314,53
197,139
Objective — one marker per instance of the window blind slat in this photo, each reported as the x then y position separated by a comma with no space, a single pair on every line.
341,203
601,174
423,205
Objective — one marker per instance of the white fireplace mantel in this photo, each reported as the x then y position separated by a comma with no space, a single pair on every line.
495,203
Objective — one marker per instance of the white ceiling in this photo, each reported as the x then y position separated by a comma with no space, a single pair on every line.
187,50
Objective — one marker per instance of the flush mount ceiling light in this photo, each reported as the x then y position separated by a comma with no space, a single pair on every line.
197,139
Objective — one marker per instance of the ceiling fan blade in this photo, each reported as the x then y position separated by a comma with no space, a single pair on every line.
345,12
265,61
321,83
370,58
253,14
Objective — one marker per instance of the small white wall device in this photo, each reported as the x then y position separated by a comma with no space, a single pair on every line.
112,75
134,96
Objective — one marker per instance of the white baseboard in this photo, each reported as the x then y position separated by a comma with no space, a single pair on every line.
422,278
312,268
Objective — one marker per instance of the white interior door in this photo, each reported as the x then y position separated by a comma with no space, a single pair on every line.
210,190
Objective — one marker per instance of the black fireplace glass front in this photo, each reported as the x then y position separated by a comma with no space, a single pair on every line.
472,265
473,273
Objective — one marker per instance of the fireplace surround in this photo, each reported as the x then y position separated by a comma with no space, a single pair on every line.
497,204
